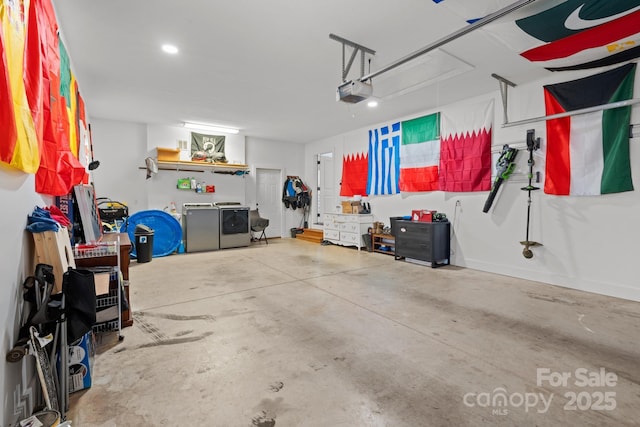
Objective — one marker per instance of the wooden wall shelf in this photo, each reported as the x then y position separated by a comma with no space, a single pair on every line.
224,168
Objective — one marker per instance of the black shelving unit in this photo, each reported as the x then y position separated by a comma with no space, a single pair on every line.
423,241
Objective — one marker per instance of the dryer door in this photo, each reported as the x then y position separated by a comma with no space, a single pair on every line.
234,221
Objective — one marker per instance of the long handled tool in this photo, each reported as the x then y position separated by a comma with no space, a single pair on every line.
533,144
504,168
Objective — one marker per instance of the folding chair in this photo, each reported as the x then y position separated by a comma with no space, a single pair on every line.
258,225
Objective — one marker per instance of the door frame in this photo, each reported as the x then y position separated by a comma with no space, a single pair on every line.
318,214
280,209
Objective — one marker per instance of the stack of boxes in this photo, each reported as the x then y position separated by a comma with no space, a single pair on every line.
352,207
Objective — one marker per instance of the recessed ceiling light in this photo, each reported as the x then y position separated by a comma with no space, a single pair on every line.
372,104
169,48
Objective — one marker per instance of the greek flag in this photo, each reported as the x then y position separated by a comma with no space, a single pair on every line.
384,160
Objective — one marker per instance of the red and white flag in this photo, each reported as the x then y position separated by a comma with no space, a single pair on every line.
465,148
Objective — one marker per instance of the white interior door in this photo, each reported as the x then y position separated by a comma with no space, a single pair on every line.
326,192
269,199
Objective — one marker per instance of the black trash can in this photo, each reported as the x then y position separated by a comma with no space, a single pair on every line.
144,243
367,242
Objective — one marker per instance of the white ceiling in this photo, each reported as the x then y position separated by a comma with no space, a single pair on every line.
269,67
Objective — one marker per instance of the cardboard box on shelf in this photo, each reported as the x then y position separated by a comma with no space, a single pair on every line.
168,154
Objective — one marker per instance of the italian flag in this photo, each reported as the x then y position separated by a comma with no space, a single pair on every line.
420,154
588,154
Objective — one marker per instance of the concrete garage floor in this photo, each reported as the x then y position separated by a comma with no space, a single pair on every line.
300,334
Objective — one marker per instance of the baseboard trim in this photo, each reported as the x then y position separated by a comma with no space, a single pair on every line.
601,288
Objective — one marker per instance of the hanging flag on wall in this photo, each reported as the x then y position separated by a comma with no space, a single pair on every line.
40,129
465,148
588,154
24,152
420,154
9,134
33,73
562,35
575,34
384,160
354,175
60,168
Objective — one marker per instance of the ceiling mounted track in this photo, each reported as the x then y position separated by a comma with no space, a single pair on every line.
453,36
504,92
356,48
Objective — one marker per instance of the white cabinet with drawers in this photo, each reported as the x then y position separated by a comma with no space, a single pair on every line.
346,229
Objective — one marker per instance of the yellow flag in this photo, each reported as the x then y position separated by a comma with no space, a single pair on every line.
26,154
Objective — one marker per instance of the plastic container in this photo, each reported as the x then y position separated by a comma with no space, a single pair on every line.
144,243
167,231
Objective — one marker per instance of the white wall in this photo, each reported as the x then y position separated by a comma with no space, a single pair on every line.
589,242
267,154
161,188
122,148
18,387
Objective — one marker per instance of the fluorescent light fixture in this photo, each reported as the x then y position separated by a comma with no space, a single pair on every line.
169,48
209,128
372,104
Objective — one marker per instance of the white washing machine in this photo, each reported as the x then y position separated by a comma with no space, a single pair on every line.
200,227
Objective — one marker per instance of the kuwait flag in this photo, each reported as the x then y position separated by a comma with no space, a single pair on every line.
588,154
465,148
420,154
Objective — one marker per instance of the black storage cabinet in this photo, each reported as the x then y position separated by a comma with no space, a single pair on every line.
424,241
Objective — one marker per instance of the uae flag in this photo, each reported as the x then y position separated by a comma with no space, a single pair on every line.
588,154
465,148
420,154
